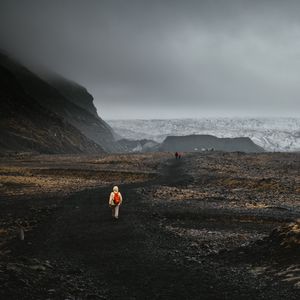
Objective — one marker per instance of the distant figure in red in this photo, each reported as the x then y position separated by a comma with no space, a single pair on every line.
176,154
115,200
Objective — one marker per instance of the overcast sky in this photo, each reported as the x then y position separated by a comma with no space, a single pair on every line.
167,58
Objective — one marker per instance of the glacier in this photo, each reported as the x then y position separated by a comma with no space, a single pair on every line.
273,134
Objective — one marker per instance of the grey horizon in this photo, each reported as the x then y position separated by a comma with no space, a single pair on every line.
165,59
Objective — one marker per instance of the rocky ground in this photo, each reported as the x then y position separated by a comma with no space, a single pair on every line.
210,226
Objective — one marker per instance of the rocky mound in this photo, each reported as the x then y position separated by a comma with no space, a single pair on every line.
286,238
194,143
282,244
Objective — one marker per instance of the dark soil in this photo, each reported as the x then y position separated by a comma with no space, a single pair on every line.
76,250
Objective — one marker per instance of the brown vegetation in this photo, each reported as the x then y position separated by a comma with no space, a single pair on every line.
62,174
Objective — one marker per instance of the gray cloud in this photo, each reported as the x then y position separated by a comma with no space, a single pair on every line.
166,58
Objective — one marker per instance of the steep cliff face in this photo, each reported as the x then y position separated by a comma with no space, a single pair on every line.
88,121
27,126
61,99
191,143
72,91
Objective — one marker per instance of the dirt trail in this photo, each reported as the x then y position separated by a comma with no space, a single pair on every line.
134,257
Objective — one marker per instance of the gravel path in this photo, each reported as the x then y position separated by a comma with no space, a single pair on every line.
81,253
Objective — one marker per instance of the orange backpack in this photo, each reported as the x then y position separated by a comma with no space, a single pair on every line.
117,198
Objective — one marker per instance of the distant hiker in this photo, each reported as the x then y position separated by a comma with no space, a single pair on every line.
179,155
115,200
176,154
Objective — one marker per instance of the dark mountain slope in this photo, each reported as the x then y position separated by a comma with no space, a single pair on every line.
192,143
72,91
51,98
79,95
27,126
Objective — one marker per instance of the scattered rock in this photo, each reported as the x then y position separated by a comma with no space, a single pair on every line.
38,268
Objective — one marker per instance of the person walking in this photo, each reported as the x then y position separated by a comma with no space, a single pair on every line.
176,155
115,200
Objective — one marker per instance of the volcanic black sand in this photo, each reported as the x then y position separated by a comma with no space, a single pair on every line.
194,248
